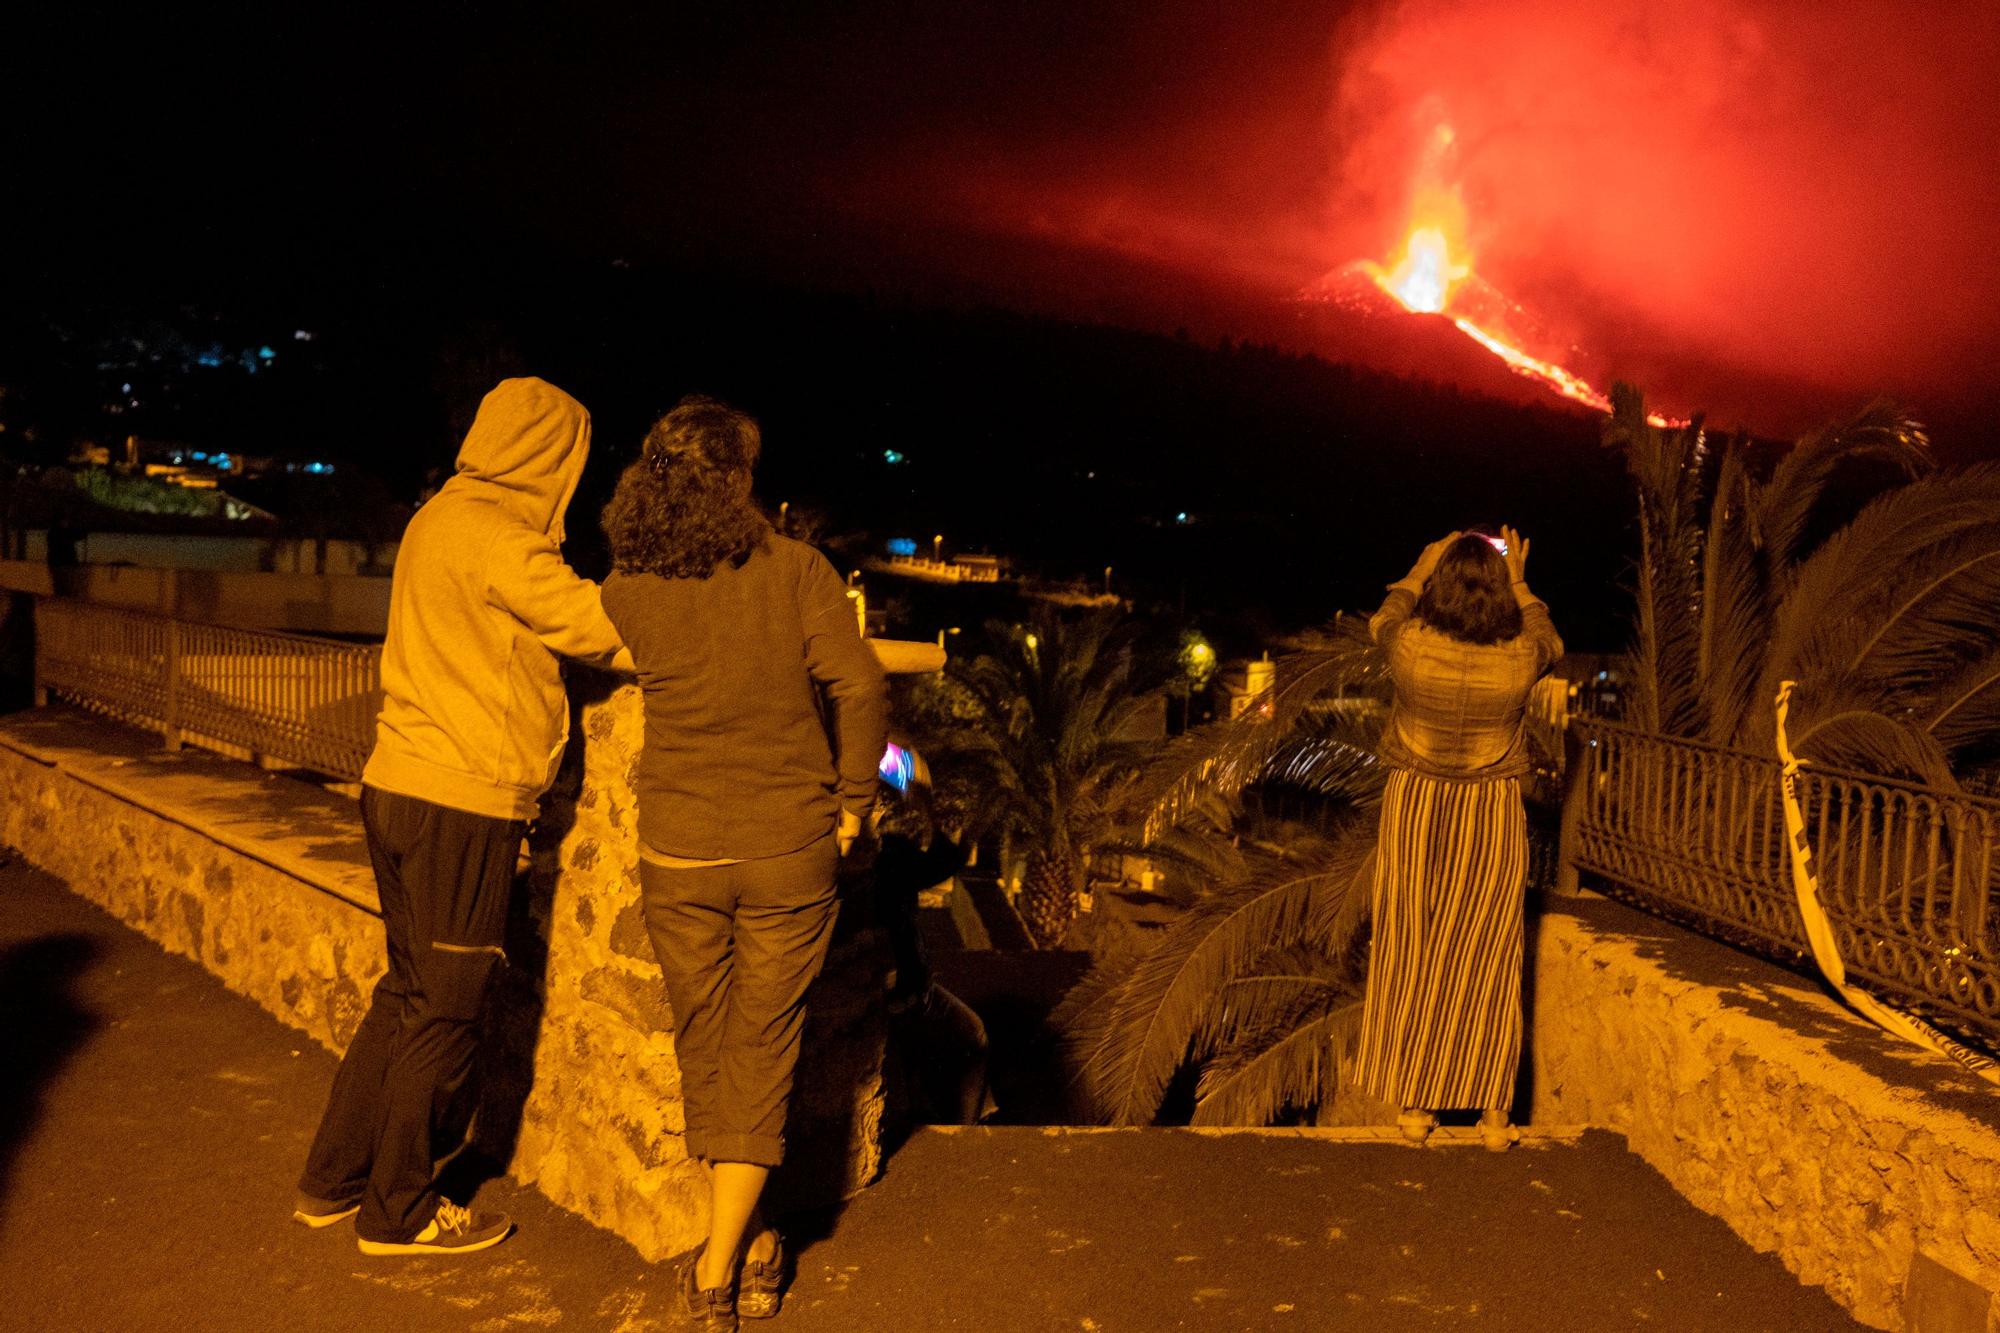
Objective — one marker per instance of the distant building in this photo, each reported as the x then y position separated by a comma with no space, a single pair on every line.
1242,686
958,569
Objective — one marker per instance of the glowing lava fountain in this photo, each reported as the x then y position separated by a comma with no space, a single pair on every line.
1426,279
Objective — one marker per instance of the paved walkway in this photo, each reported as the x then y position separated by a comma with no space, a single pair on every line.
151,1124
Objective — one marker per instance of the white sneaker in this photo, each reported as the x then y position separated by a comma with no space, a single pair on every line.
453,1230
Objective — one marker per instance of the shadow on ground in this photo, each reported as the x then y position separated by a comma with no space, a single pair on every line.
43,1022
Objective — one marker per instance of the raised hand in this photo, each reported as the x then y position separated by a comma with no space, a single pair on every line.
1431,555
1517,553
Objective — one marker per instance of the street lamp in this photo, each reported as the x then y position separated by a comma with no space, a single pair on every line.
1107,580
937,548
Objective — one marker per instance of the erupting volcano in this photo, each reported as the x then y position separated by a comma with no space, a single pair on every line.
1434,276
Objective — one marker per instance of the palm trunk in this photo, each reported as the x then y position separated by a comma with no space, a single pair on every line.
1048,897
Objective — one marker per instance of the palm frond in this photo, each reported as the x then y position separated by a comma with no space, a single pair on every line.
1332,753
1785,504
1296,1063
1869,741
1858,567
1132,1041
1940,607
1964,709
1733,610
1666,465
1228,756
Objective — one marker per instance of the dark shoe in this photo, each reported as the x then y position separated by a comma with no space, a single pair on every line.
757,1289
705,1307
454,1230
316,1212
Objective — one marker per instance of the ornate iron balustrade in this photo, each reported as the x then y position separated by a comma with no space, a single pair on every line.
285,697
1908,873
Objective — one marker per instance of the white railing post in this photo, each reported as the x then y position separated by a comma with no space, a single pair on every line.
171,725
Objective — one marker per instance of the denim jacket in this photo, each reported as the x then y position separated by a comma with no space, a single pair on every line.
1459,706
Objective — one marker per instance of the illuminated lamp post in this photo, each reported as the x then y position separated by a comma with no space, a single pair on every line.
937,549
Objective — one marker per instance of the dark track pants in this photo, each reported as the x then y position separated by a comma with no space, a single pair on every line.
739,945
444,877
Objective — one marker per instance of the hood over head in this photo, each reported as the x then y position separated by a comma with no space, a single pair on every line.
529,441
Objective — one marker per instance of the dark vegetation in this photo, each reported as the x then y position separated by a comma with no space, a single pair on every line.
1068,446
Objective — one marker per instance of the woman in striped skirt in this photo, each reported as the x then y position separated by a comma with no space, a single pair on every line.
1441,1025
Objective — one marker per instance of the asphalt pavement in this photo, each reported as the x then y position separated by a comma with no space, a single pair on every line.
152,1124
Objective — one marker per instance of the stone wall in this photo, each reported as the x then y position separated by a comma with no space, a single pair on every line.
600,1128
582,1092
1869,1167
306,954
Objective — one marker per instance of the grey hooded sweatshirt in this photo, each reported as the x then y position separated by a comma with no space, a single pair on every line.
473,712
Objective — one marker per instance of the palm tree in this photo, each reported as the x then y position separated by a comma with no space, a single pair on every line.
1887,624
1044,730
1256,990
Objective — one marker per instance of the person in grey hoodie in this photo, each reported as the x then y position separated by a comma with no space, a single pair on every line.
472,726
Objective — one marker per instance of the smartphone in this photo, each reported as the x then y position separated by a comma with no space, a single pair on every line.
1498,543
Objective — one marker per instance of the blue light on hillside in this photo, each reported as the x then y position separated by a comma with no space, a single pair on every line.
902,546
319,469
1181,517
199,455
265,354
893,456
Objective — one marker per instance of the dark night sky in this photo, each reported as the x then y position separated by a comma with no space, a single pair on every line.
1774,209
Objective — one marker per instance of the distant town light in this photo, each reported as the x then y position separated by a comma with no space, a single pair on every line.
265,353
902,546
199,455
893,456
1181,517
302,335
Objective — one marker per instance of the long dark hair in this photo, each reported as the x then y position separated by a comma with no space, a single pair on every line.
1470,595
683,507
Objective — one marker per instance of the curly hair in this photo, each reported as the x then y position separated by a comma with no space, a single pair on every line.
683,507
1469,596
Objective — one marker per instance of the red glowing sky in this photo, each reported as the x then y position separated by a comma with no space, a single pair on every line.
1768,209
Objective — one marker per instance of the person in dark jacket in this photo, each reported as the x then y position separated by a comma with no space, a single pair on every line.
749,792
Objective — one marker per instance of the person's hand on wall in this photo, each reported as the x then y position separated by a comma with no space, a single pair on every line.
847,831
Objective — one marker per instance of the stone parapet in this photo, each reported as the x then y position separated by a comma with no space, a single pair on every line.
1869,1167
600,1128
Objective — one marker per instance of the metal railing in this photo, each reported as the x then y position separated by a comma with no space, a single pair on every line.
1908,874
288,698
284,697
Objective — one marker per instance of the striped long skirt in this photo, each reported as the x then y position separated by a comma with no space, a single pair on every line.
1441,1024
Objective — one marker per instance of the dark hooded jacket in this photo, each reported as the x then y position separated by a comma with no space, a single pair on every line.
473,712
